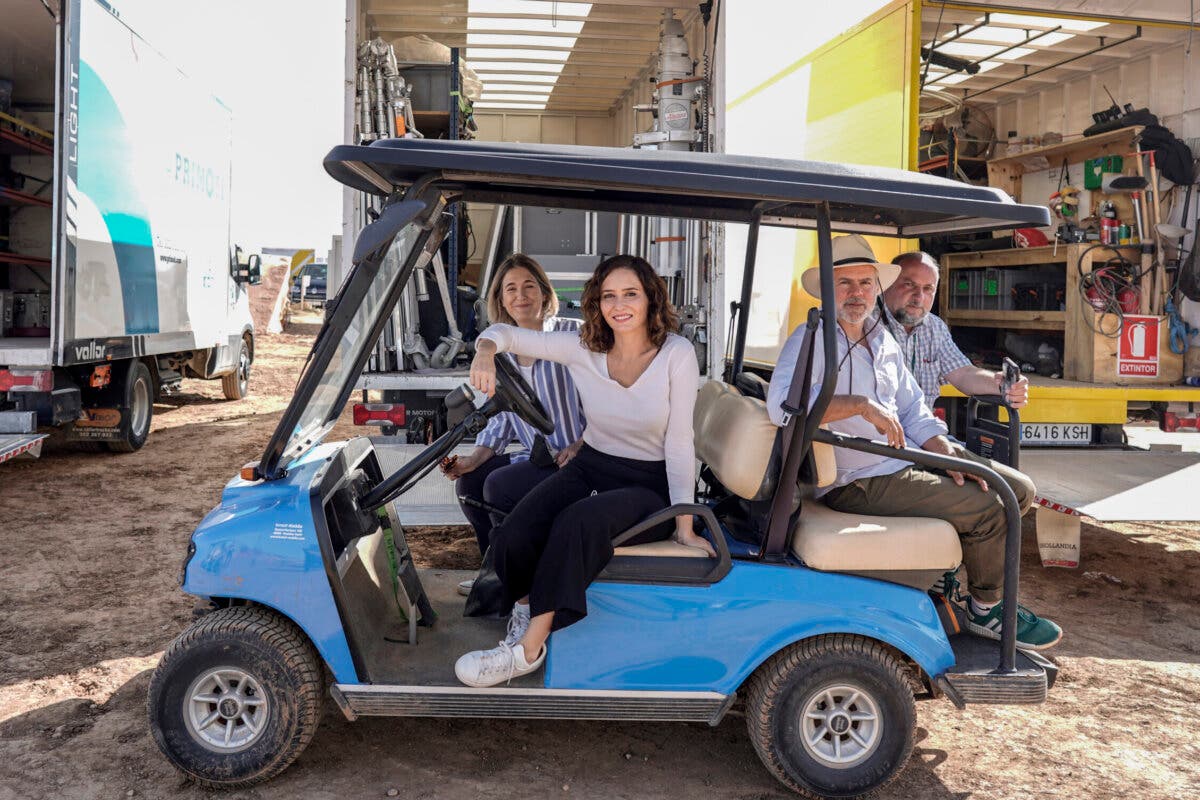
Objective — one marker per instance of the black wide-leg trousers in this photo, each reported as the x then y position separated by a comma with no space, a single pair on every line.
558,538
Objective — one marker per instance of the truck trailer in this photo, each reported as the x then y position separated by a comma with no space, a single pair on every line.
1028,97
117,274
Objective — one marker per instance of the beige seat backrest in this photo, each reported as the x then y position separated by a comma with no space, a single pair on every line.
734,437
825,462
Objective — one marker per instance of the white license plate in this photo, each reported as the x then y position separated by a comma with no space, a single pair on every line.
1055,433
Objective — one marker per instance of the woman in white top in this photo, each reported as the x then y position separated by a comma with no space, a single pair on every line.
637,383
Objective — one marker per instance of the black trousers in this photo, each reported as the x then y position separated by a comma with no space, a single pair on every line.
558,538
499,483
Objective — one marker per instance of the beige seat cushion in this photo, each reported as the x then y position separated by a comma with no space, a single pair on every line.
831,541
659,549
734,437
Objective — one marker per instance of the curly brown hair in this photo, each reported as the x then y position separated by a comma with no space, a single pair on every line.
661,317
495,303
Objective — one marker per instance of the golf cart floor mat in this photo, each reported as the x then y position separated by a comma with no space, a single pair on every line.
419,681
430,662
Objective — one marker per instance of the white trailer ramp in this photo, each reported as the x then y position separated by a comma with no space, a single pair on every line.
21,444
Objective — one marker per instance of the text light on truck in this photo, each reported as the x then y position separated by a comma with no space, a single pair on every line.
379,414
18,380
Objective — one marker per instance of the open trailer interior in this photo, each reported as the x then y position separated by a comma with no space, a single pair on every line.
28,69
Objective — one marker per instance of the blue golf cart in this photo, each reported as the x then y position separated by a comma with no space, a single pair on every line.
820,623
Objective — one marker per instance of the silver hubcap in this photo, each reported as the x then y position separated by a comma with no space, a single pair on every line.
243,369
225,710
140,412
840,725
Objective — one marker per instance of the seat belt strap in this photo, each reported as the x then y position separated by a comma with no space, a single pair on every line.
796,407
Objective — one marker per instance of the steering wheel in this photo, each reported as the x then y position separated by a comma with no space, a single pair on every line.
516,393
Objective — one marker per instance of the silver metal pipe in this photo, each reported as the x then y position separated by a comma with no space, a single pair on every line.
411,342
622,229
518,243
439,274
444,354
422,284
364,103
396,329
493,249
380,103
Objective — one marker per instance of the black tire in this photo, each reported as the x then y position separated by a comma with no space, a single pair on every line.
284,675
794,681
236,385
137,409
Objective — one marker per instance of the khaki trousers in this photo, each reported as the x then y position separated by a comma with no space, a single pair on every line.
978,516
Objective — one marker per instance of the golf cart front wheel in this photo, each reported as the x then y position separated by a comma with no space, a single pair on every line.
832,716
236,698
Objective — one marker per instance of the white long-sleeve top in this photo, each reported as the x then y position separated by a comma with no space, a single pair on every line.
650,420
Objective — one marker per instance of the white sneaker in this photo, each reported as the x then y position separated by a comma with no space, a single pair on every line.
518,623
483,668
464,587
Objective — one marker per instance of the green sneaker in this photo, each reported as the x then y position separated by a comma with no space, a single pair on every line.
1033,632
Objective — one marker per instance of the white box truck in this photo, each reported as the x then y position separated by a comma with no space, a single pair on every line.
117,275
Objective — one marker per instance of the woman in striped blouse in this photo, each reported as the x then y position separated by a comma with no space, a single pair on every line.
637,381
487,477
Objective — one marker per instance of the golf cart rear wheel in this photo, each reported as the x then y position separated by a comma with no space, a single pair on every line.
832,716
236,698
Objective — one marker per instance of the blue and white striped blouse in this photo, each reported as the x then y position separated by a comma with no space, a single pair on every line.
554,387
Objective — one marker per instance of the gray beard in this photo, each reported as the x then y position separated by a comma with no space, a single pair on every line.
904,318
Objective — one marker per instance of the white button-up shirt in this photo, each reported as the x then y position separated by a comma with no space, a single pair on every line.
875,369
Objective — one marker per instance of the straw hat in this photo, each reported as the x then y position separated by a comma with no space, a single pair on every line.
849,251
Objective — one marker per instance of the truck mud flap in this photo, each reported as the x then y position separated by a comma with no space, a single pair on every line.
24,444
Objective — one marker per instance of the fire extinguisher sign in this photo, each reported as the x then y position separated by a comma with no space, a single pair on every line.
1137,349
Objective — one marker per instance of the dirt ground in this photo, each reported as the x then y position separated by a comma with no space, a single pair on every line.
90,549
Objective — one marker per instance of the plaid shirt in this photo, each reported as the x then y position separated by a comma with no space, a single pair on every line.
929,353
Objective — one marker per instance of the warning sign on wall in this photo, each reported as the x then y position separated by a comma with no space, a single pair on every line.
1137,349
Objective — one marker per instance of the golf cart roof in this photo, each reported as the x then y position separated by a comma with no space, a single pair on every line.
715,186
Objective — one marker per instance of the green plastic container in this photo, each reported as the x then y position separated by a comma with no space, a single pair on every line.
1094,170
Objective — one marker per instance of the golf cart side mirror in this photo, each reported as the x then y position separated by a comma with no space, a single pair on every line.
379,234
249,272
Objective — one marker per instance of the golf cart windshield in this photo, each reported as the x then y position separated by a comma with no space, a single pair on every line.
350,330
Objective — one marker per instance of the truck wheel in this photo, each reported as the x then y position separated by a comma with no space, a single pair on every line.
236,384
832,716
139,409
236,697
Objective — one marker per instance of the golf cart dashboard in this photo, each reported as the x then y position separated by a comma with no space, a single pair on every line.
352,472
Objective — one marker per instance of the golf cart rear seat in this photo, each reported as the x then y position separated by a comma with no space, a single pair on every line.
735,438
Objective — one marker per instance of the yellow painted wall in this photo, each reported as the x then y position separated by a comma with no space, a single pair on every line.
850,101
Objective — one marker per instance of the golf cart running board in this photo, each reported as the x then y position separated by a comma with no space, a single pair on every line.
974,679
463,701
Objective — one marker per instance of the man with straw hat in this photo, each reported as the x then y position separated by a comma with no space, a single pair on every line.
876,395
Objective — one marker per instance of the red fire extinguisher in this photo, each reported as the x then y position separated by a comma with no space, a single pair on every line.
1109,292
